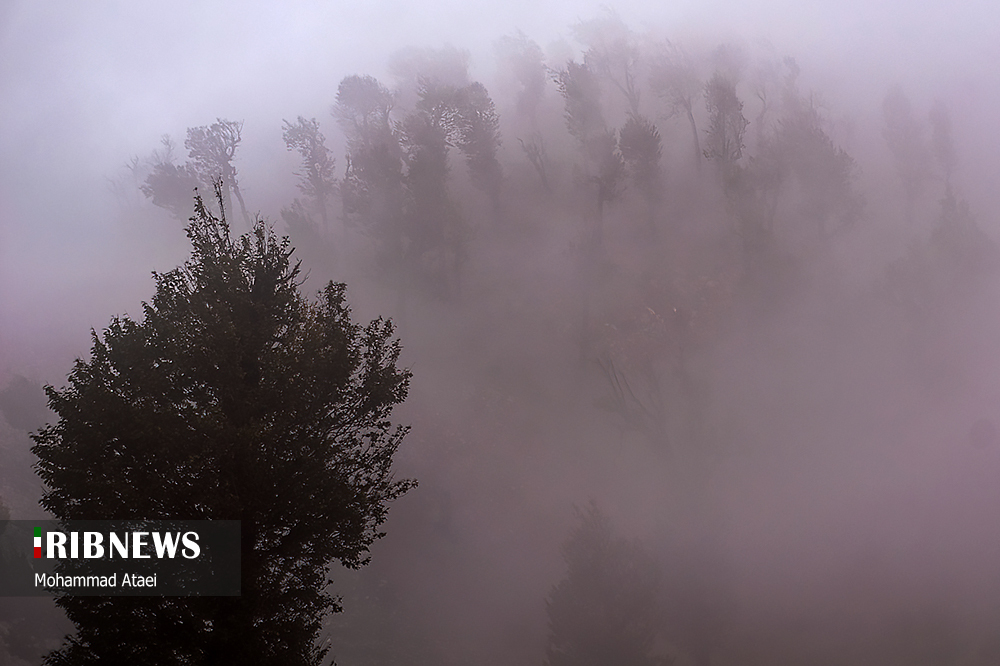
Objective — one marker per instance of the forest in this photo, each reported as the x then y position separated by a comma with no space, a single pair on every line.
703,350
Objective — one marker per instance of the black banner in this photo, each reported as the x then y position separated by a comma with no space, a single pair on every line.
120,558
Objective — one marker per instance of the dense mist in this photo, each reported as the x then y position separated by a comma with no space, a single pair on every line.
700,302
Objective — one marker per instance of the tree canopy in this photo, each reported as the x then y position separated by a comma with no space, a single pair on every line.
234,397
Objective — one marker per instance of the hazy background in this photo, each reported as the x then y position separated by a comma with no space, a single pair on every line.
86,87
845,514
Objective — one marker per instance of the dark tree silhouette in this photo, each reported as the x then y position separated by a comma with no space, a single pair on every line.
373,190
211,149
435,231
237,398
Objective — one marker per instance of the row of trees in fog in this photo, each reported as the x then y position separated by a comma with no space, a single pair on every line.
683,189
756,141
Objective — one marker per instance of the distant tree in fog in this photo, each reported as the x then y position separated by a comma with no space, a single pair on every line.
801,161
603,163
396,184
942,144
316,180
905,138
726,123
581,92
606,609
234,398
742,184
523,58
641,149
941,270
673,77
212,149
318,186
435,231
478,137
373,189
168,185
612,54
410,66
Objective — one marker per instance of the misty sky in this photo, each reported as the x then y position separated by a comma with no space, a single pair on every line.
86,86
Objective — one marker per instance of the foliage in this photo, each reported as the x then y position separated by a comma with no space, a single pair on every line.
641,149
613,54
478,129
211,149
524,58
580,89
168,185
818,175
316,180
605,611
673,77
727,125
233,398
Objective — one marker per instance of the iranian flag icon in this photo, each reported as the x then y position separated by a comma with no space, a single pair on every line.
38,542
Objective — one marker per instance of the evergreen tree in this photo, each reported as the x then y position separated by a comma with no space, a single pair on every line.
235,398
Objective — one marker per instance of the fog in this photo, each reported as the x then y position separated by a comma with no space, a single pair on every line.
786,390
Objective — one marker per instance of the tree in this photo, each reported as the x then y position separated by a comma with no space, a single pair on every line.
673,77
316,180
743,185
234,397
942,144
605,611
168,185
524,59
435,231
726,123
372,191
478,137
801,157
641,148
905,138
212,149
318,187
581,90
612,53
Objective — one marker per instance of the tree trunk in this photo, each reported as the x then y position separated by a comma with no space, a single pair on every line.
694,135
